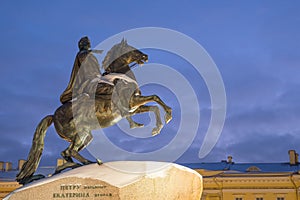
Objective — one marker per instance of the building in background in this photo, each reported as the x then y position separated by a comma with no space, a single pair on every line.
8,166
1,166
225,180
20,164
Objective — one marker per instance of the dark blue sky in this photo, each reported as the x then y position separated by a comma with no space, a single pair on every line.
255,45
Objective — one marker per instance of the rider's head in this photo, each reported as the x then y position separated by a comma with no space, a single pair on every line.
84,43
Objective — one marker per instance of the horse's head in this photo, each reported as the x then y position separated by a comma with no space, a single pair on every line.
121,55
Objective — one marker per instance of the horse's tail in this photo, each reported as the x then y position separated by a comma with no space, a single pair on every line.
36,150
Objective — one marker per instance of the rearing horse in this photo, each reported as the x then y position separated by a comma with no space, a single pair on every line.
75,120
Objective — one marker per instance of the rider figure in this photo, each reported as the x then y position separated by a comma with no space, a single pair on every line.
85,73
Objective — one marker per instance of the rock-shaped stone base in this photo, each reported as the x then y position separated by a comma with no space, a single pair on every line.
125,180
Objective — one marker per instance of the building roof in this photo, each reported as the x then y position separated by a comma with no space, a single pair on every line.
226,167
245,167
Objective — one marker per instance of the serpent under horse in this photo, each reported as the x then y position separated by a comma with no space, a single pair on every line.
111,104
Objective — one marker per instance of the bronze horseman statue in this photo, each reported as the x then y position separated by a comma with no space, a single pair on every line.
93,101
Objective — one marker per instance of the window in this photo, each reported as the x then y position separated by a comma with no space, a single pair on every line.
280,198
238,198
259,198
253,169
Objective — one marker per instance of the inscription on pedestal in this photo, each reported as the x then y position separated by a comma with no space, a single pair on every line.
81,191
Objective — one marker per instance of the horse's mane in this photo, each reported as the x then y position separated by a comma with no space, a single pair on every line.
116,52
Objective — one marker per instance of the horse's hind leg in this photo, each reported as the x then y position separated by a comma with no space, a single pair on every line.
66,155
154,109
80,141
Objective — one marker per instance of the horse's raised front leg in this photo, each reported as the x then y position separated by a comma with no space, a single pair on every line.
137,101
154,109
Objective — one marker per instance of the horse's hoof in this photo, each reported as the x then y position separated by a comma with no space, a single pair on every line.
168,115
156,131
88,162
31,179
136,125
99,162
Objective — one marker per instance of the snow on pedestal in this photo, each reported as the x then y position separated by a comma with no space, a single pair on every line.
140,180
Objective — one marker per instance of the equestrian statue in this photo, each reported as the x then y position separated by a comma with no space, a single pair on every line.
93,100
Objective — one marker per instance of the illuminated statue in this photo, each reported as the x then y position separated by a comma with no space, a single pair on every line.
92,101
